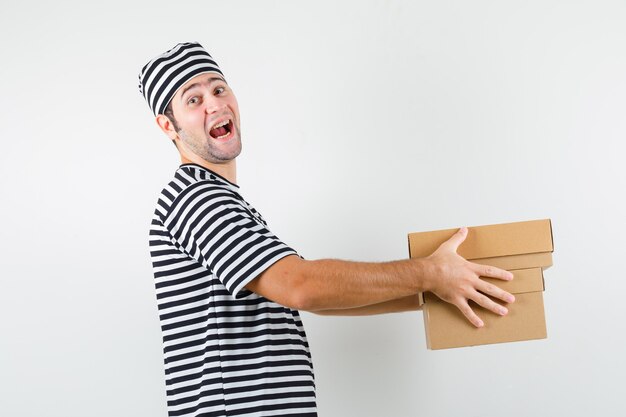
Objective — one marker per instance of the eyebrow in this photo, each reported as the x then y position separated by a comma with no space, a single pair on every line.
209,81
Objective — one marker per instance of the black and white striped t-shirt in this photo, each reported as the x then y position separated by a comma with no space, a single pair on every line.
228,351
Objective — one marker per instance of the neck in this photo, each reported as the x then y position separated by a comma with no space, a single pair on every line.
227,170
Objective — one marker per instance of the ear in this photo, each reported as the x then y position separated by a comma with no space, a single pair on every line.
167,126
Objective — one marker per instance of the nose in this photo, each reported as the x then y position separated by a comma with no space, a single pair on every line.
213,104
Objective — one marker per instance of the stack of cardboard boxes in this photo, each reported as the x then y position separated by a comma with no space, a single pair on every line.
525,249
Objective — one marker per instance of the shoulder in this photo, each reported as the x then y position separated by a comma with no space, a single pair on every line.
192,187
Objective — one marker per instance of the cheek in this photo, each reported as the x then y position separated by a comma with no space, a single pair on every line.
195,121
236,110
232,103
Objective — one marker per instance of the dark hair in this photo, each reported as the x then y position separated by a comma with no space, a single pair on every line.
169,113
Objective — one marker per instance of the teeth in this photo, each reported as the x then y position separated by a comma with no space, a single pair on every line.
224,123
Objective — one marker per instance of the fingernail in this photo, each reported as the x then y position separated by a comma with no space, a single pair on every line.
503,311
480,323
511,276
510,299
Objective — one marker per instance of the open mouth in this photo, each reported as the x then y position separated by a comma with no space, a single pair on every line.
221,130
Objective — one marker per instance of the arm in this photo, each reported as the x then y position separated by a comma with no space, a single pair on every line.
409,303
334,284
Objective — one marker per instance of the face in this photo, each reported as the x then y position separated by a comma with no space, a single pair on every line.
207,116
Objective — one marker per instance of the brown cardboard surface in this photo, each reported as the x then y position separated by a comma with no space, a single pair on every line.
527,260
524,248
448,328
489,241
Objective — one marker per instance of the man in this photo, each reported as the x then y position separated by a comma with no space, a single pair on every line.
229,290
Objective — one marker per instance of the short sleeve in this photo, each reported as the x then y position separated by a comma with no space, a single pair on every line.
213,225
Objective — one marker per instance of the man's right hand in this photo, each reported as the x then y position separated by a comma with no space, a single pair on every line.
456,280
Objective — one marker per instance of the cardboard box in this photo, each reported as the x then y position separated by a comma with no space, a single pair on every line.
524,248
507,246
446,327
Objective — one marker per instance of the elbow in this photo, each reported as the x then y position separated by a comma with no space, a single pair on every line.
304,295
304,302
289,283
302,298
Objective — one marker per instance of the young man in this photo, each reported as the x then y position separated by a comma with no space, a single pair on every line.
229,290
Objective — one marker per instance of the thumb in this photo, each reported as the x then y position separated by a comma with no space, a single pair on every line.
455,241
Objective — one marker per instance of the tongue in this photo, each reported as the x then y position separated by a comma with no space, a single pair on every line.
219,131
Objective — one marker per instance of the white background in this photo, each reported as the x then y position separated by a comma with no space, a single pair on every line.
362,121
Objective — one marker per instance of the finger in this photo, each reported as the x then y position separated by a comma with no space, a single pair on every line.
469,313
495,291
455,241
489,304
492,272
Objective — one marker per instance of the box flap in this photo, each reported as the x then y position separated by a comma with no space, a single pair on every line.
420,299
527,260
489,241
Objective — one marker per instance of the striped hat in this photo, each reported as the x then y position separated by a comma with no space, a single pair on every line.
163,76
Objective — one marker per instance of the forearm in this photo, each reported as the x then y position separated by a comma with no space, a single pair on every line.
334,284
404,304
337,285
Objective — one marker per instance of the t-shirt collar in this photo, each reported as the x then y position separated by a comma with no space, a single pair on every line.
218,176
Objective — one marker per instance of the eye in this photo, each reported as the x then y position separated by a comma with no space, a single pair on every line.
219,90
193,100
